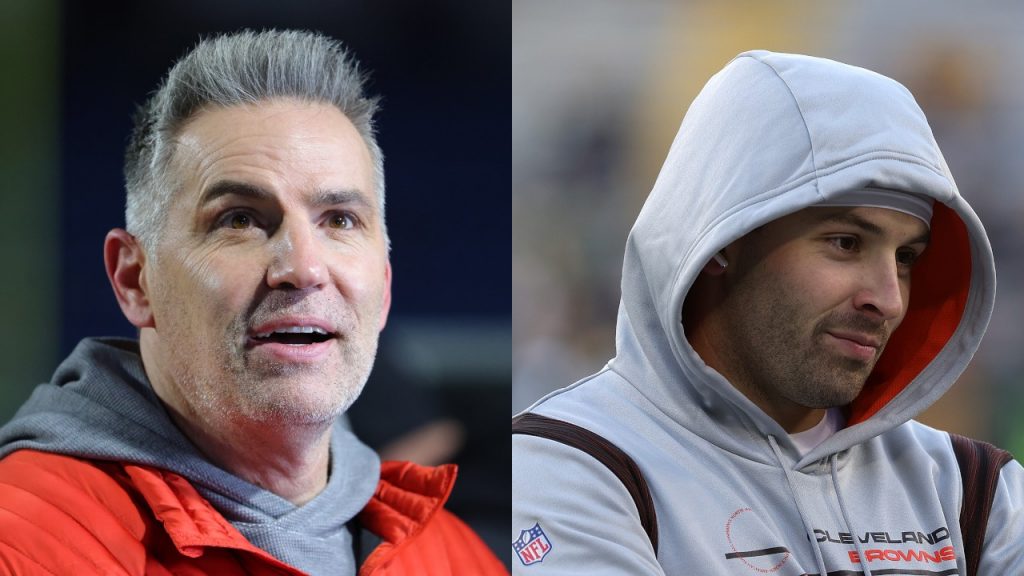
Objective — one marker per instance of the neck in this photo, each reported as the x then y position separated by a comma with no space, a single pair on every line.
292,463
791,416
702,331
289,458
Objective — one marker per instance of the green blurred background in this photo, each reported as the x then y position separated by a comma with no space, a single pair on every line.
29,188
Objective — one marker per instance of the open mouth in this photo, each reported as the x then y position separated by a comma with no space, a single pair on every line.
294,336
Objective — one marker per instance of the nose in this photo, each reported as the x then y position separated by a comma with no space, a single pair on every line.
883,293
297,262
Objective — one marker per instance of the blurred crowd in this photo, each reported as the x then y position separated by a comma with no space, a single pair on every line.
599,90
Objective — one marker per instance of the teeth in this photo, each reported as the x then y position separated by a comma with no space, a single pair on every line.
294,330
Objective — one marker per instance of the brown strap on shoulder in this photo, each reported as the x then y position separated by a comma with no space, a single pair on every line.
980,463
605,452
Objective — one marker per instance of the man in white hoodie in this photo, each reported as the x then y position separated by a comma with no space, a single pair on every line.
803,280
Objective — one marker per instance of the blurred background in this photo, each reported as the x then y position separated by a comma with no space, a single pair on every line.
599,88
71,75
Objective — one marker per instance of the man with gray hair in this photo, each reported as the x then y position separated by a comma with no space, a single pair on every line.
255,266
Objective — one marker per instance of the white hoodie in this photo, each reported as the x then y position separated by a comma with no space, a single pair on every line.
769,135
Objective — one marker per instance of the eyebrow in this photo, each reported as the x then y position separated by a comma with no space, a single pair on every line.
320,198
232,188
872,228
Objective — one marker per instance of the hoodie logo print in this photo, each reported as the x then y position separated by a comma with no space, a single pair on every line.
532,545
744,533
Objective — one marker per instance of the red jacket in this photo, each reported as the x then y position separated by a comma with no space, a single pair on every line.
61,515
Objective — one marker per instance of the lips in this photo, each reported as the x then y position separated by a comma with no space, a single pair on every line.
293,340
856,345
292,331
859,338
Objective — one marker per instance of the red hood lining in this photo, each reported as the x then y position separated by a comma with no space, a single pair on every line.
941,282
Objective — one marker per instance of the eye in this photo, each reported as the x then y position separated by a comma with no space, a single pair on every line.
237,220
341,221
845,243
907,257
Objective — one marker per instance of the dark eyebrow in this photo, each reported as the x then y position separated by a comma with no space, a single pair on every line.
319,199
323,198
233,188
871,227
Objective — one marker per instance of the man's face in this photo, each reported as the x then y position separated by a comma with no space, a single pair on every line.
271,281
811,301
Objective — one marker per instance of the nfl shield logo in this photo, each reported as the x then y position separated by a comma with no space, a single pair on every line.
532,546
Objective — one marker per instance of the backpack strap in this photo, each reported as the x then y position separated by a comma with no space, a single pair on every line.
608,454
980,463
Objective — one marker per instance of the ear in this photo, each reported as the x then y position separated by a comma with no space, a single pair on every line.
386,305
125,261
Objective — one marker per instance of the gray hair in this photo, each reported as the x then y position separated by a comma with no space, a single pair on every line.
241,68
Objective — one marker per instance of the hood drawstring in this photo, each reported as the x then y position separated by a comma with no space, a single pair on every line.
799,507
833,464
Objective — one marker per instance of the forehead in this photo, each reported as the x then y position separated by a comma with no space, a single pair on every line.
882,222
279,145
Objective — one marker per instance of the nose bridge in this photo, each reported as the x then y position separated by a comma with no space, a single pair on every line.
296,258
883,288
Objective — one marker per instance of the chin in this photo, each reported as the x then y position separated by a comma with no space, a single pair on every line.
833,396
300,399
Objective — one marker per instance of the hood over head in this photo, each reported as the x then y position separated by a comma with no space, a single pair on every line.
769,135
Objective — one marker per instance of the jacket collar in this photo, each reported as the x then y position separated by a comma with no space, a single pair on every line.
407,497
190,520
